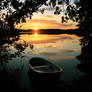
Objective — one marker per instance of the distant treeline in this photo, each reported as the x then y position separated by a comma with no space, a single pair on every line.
53,31
44,31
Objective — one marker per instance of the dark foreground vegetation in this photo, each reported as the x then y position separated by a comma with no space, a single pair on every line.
81,13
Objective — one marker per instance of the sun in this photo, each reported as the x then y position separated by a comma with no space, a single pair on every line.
35,28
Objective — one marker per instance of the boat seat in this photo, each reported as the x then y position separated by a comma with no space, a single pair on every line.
40,66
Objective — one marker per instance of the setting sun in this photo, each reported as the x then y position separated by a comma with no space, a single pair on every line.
35,28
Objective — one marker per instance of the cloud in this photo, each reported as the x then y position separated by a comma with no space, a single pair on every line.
48,24
48,53
47,21
69,50
66,25
62,58
63,38
47,39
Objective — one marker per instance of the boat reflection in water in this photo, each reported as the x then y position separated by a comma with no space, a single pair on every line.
44,75
44,86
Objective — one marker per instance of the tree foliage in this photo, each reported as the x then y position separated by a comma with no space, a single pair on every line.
17,11
81,12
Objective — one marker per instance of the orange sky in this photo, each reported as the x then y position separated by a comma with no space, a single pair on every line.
45,24
46,21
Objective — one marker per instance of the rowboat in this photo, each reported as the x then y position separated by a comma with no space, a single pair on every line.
43,68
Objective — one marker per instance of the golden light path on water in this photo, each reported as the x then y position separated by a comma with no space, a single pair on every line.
37,38
53,46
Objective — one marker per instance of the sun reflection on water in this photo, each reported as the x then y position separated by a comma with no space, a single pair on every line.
37,38
35,34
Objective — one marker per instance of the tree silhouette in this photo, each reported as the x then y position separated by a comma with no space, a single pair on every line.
81,12
17,11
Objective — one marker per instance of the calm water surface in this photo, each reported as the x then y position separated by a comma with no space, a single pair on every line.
59,49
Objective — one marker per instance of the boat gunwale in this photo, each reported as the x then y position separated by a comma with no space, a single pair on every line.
60,70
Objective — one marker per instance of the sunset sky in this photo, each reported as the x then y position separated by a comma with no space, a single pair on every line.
48,20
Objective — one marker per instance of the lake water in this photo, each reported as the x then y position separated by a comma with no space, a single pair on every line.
60,49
